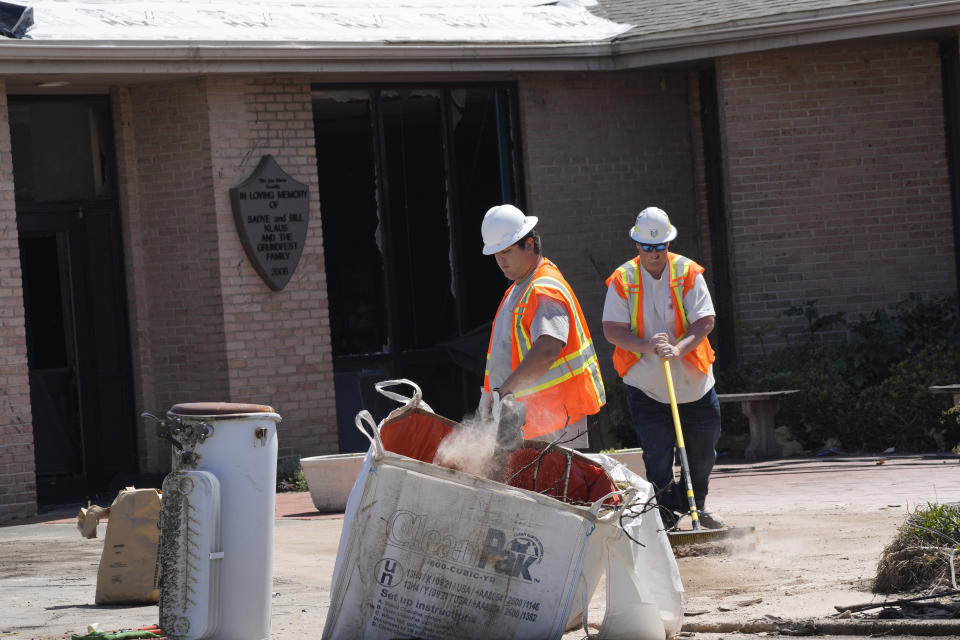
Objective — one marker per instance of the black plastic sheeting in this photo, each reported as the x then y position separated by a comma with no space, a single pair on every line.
15,20
469,351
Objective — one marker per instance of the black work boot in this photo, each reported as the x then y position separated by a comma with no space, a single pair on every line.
709,520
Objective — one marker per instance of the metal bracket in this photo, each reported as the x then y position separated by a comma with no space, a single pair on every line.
182,435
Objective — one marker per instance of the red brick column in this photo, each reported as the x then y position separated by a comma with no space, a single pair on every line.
171,249
151,453
205,325
18,486
277,342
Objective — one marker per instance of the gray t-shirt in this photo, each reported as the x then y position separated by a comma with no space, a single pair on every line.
551,319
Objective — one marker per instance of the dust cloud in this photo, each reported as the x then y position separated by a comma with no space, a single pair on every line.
472,449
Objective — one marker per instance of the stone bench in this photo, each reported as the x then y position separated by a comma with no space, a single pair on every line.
760,408
953,389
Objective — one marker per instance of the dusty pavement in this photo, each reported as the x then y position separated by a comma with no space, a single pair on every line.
820,525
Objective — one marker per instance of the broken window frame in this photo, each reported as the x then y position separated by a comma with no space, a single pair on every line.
463,229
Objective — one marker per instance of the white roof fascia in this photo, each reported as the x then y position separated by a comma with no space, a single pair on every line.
156,57
22,56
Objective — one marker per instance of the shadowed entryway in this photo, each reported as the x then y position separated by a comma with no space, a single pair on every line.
71,257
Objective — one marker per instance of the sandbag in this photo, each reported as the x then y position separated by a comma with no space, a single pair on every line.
129,567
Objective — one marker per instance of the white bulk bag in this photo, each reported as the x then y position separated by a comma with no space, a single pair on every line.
629,595
433,553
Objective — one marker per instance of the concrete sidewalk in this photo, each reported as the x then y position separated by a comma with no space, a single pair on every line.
859,482
48,572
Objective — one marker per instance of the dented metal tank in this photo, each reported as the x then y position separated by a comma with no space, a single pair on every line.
216,541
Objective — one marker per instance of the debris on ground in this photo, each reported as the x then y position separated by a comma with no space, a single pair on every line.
94,633
921,558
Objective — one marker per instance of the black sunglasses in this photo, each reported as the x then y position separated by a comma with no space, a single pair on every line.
650,248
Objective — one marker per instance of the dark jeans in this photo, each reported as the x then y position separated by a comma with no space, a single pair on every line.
700,424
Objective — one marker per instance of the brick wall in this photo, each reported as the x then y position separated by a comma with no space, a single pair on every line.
151,454
173,267
278,342
205,325
599,148
836,179
18,485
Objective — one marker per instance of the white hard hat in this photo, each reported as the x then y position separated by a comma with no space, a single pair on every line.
504,225
653,227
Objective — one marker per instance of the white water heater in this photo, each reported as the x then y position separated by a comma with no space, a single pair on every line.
216,539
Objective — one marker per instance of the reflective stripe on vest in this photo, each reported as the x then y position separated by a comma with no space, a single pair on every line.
633,283
680,282
584,358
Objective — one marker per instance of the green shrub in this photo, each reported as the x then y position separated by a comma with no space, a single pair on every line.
901,409
937,524
951,418
290,475
866,392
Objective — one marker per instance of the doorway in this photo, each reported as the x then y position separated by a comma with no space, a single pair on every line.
78,348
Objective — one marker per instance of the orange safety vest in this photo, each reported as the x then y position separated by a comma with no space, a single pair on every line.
572,387
627,280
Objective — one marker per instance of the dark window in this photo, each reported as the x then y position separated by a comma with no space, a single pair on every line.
64,150
419,227
46,290
405,176
351,226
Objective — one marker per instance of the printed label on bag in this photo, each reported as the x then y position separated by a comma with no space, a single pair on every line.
501,564
496,553
458,581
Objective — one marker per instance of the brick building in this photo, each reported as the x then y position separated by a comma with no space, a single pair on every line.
805,150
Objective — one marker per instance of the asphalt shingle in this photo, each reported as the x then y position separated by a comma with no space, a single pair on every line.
656,18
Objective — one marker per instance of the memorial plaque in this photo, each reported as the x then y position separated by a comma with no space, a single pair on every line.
271,212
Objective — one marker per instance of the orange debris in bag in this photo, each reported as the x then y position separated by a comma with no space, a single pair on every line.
561,473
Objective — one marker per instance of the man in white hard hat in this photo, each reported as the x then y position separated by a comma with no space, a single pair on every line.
658,307
540,354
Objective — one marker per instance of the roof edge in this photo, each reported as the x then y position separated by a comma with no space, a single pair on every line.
19,57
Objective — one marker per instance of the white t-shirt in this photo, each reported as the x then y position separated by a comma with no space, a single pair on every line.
550,319
646,374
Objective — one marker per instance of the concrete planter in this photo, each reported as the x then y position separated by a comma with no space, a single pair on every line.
330,479
633,459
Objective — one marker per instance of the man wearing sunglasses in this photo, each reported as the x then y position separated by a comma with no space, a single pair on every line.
658,308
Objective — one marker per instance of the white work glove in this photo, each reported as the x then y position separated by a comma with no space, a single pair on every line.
510,418
496,406
485,408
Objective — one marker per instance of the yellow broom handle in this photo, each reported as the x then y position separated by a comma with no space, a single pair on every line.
673,404
681,448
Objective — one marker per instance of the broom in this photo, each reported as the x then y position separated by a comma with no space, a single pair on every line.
698,534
